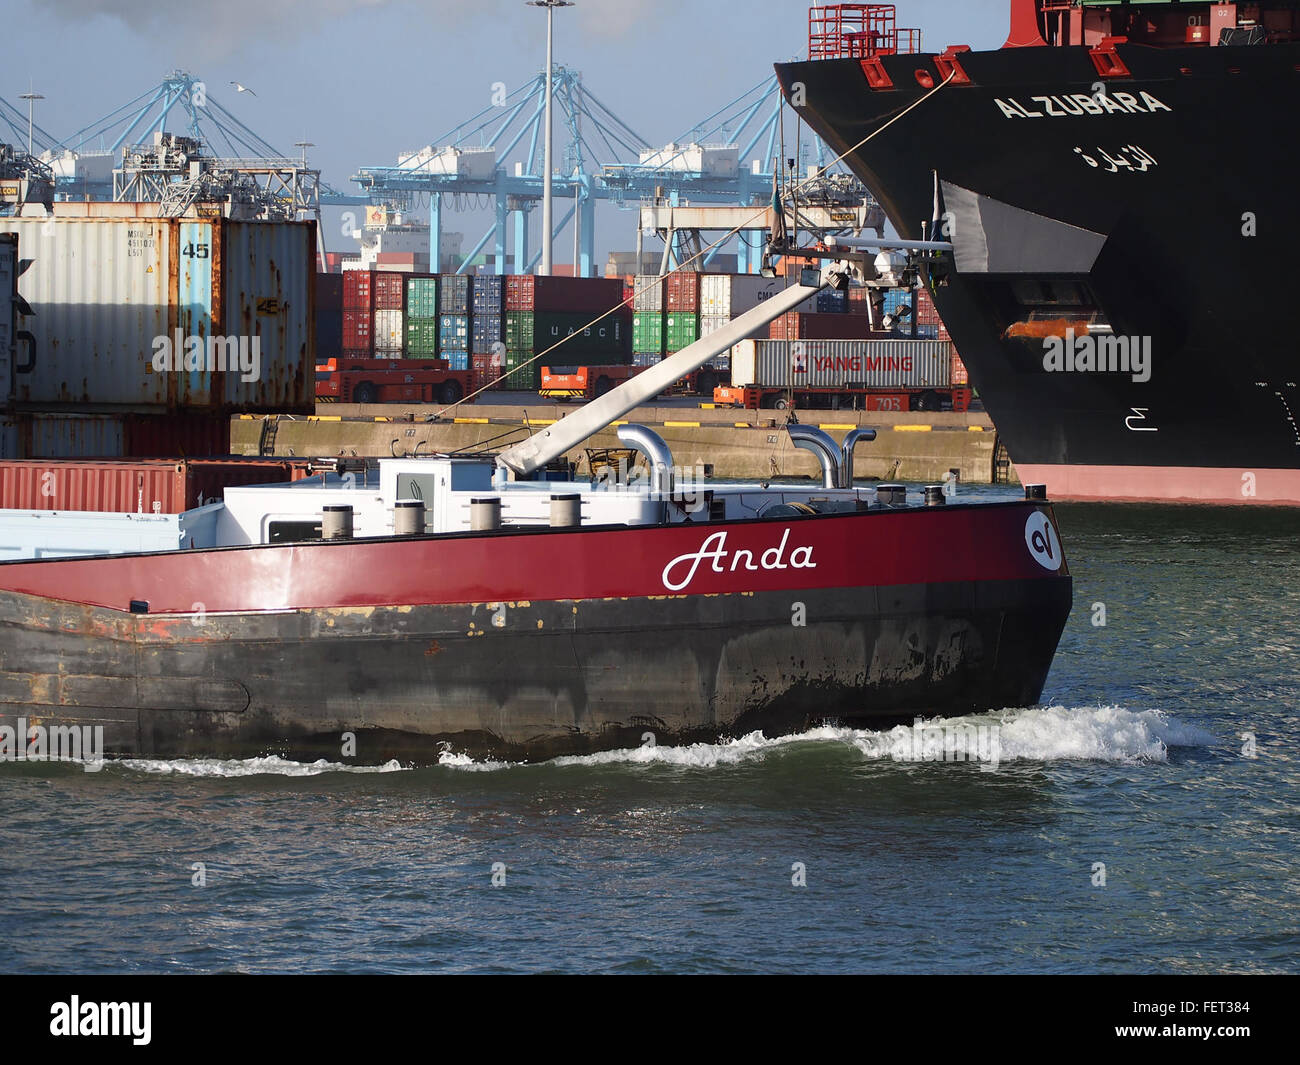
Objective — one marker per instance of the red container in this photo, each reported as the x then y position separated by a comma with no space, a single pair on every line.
959,374
683,291
796,326
175,435
329,292
358,332
389,290
134,486
526,292
487,367
358,290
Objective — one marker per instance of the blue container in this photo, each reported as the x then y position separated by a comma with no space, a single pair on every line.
454,332
488,329
489,296
646,358
458,360
832,301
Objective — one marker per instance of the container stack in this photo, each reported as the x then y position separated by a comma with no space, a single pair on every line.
454,307
162,327
358,313
647,320
422,317
541,312
489,303
389,328
329,316
681,311
797,325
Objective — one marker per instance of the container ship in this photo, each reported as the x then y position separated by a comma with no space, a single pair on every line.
1113,184
496,606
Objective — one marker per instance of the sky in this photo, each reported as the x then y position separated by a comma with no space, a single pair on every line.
367,79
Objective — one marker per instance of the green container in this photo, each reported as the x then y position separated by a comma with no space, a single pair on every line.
681,329
422,297
421,337
519,331
521,378
648,333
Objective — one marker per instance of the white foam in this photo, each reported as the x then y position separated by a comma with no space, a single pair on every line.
272,765
1039,734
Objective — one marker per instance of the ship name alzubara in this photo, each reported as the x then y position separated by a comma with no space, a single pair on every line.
1080,103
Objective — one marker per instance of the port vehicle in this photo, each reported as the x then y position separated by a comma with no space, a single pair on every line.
370,380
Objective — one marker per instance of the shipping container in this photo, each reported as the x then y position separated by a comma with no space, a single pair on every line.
523,372
390,332
453,333
358,290
849,365
646,358
649,294
329,315
731,295
135,486
648,332
519,330
489,297
832,301
487,367
422,297
8,310
58,435
611,337
681,329
960,377
590,295
390,290
454,294
421,337
799,326
487,328
682,291
329,293
358,332
168,314
457,360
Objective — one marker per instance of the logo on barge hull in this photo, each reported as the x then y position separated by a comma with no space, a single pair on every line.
714,550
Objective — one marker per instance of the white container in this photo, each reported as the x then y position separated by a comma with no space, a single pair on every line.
390,333
848,365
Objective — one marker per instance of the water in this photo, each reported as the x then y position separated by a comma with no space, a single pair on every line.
684,859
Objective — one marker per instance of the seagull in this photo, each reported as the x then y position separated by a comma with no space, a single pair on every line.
242,88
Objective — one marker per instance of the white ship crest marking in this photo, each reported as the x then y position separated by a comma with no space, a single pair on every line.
714,551
1068,105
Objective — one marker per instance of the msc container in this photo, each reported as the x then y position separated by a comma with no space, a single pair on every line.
358,332
649,295
421,337
454,294
390,331
590,295
135,486
489,297
682,291
648,332
168,314
422,297
799,326
358,290
8,309
680,330
842,364
390,290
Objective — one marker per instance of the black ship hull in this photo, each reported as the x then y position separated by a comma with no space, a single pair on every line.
1158,216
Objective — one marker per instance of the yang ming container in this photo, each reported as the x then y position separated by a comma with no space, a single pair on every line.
842,364
150,314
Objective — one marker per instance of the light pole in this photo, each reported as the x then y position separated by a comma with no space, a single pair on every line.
547,206
31,98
